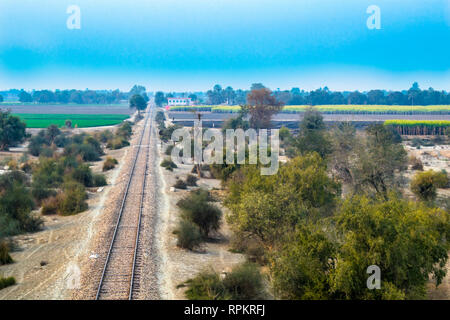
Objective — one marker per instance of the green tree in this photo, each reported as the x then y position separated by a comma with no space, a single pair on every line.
269,206
25,96
159,98
313,136
12,130
137,101
406,240
370,164
262,105
300,265
383,156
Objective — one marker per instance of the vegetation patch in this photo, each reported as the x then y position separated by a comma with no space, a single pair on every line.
77,120
7,282
419,127
244,282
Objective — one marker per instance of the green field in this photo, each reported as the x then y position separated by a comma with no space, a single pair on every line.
78,120
334,109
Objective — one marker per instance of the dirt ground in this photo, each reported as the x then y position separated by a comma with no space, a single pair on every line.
180,265
49,263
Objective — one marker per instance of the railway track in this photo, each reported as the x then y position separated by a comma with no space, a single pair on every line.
120,279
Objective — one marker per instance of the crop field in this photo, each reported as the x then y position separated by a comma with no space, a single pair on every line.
78,120
334,109
419,127
44,108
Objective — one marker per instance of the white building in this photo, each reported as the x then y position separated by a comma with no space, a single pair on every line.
179,101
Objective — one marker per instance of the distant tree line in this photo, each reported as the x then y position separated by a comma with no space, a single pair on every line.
72,96
77,96
323,96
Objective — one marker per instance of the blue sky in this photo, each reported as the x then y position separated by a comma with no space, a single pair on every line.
194,44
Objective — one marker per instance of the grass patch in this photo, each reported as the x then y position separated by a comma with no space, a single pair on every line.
6,282
78,120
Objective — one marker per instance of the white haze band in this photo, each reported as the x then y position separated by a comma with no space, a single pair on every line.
235,143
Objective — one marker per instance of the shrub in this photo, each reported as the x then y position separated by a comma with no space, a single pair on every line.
5,258
168,164
416,163
244,282
242,242
104,136
50,206
109,164
191,180
125,130
72,200
6,282
188,235
46,152
424,184
99,180
89,150
40,192
117,143
207,285
16,204
169,149
196,208
83,174
180,184
26,167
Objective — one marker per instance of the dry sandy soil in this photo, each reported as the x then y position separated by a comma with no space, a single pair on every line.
50,264
180,265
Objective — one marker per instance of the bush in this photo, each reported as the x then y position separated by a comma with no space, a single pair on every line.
109,164
416,163
72,200
88,150
168,164
197,209
16,204
125,130
250,245
104,136
6,282
40,192
180,184
99,180
244,282
117,143
50,206
424,184
191,180
5,258
188,235
169,149
207,285
83,174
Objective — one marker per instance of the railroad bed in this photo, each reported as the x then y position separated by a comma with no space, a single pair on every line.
122,270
